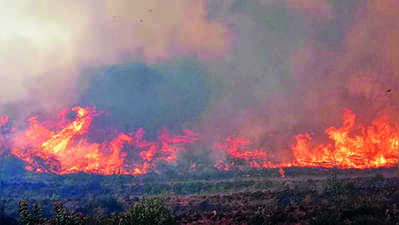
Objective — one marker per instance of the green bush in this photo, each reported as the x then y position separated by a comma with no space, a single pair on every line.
63,217
149,211
25,216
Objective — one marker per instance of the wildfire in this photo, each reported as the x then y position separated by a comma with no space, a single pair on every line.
68,150
376,146
63,147
282,172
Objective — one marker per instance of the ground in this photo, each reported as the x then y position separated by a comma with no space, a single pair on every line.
304,196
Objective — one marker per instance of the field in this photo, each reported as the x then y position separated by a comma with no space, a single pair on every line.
304,196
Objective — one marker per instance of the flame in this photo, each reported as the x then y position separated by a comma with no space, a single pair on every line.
232,146
376,146
68,149
63,147
282,172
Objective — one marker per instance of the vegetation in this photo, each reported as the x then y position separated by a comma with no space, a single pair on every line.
148,212
255,197
145,212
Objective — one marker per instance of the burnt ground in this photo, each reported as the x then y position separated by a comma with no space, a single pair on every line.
304,196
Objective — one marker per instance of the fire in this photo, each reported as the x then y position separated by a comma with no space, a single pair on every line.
282,172
376,146
67,149
63,147
232,146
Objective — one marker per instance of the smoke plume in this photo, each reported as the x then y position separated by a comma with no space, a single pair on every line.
45,45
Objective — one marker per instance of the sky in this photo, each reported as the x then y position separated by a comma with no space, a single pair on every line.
264,69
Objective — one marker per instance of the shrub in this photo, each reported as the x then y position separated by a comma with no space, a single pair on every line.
37,214
148,212
63,217
25,218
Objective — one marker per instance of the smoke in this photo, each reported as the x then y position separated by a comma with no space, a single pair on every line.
273,68
319,8
297,65
361,68
137,95
44,45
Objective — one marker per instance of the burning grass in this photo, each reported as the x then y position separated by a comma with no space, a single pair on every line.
75,179
64,146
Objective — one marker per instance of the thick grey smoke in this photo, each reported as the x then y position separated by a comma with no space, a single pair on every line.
296,65
273,68
44,45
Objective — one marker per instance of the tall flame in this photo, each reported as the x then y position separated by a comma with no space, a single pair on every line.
68,150
63,147
376,146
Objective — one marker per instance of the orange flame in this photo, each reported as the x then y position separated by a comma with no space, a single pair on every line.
63,147
233,144
282,172
376,146
68,150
